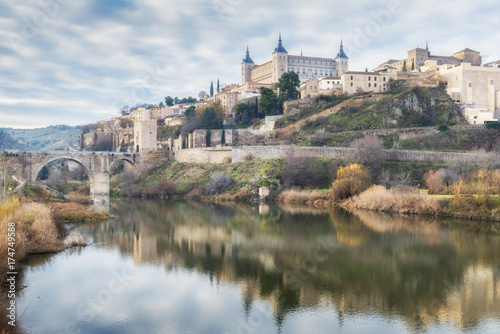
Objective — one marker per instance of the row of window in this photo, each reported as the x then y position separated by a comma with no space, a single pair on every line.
369,78
315,72
310,62
369,84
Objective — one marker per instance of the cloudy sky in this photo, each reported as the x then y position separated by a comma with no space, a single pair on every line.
77,61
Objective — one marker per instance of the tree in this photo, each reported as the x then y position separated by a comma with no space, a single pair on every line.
269,102
209,119
287,85
176,100
211,88
161,104
190,112
367,151
404,66
125,110
218,87
244,114
202,94
413,64
169,101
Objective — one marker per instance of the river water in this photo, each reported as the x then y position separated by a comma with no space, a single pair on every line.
164,267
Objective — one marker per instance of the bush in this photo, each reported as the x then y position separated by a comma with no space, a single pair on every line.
434,181
307,172
443,128
351,180
218,183
493,126
248,157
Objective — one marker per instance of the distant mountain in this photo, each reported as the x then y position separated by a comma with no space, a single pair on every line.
54,137
7,142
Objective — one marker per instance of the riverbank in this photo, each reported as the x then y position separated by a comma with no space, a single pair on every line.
290,181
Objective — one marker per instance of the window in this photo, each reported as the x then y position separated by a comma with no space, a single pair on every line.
374,85
311,87
315,87
375,78
369,78
352,84
384,78
352,77
369,85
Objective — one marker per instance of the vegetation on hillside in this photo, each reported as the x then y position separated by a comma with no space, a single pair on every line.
54,137
456,140
7,142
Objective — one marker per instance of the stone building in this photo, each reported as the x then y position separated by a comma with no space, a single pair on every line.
353,82
306,67
475,88
417,57
145,133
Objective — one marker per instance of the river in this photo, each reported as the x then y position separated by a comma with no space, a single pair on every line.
190,267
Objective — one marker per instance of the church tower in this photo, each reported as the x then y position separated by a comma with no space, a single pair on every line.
280,61
246,69
342,61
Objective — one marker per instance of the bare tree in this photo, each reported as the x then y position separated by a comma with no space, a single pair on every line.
367,151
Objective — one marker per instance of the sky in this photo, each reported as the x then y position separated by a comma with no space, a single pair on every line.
79,61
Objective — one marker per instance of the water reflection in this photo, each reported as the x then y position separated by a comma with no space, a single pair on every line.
411,272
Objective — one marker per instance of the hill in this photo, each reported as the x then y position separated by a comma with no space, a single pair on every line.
54,137
400,107
7,142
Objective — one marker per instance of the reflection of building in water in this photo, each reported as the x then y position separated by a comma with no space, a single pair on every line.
396,267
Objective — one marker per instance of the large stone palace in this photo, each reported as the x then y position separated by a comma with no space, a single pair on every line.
306,67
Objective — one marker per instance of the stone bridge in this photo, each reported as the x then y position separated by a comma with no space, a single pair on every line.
24,166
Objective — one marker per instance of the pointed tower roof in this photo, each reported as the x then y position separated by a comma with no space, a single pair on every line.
341,53
280,47
248,59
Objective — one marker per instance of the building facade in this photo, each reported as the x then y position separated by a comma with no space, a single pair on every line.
475,88
354,82
418,57
306,67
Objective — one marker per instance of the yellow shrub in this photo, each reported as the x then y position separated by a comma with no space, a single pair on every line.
350,181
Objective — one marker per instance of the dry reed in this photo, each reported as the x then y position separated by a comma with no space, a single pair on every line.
301,196
378,198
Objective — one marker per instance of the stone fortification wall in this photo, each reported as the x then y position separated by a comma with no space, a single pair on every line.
215,155
272,152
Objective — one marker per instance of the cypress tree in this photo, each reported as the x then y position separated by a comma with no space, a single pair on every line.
211,88
218,85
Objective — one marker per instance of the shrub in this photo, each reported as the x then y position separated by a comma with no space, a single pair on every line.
351,180
300,196
218,183
493,126
443,128
307,172
166,187
248,157
227,160
434,181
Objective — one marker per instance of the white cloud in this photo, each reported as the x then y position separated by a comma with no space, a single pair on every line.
104,54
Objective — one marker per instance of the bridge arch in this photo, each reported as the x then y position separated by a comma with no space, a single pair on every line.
39,167
129,160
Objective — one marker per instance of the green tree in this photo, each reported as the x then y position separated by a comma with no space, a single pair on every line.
209,119
413,64
404,66
190,112
161,105
169,101
218,90
287,85
176,100
211,88
270,104
244,114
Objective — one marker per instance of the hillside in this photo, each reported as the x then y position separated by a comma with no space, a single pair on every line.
7,142
401,107
50,138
